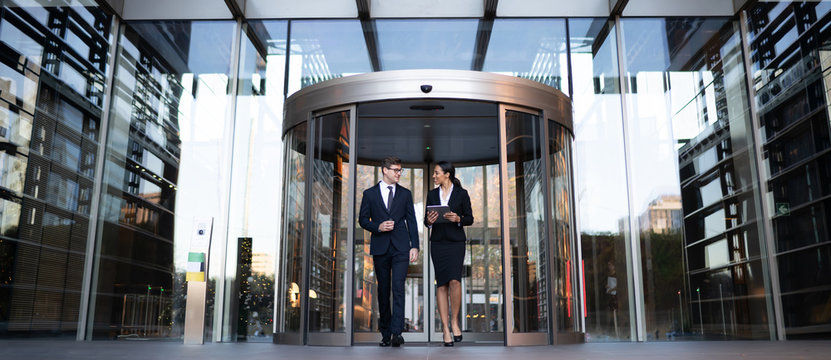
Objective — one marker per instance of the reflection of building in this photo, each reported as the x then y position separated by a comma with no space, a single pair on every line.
142,185
662,215
52,65
262,263
789,48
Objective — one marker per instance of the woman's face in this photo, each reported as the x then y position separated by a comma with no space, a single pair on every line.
439,176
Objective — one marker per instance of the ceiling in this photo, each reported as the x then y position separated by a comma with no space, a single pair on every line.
425,131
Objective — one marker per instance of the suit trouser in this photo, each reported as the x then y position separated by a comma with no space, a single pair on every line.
391,273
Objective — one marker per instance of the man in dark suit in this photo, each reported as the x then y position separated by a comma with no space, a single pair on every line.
387,212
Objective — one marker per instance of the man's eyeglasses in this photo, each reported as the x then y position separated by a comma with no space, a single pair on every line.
397,171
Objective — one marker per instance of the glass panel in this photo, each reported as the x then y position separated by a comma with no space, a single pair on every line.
47,163
688,127
566,284
526,213
792,73
171,105
329,224
600,179
532,49
294,226
255,209
365,303
20,42
482,296
325,49
426,44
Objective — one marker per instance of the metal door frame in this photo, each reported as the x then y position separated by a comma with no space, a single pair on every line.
331,338
514,338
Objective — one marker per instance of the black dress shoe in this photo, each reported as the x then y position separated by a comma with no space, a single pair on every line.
397,340
457,338
448,344
384,342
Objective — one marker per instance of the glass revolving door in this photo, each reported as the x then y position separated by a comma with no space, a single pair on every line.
509,139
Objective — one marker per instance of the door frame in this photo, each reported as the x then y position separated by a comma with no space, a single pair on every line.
514,338
331,338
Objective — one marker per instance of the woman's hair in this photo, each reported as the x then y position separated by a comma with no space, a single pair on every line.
448,168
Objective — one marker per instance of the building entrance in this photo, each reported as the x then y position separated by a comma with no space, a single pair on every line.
520,284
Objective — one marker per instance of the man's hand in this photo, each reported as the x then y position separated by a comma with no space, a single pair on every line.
413,255
386,226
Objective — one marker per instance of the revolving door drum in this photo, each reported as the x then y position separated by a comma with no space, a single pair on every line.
303,111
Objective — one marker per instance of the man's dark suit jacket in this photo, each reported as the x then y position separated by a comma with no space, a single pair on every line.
458,203
404,236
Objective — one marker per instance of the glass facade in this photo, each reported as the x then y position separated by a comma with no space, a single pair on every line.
700,180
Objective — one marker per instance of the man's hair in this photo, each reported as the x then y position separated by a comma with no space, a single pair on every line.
390,161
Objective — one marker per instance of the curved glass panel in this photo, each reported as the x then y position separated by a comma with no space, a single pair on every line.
482,294
564,255
526,214
294,227
330,224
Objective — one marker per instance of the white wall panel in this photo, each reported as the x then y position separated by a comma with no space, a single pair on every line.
426,8
175,9
679,8
261,9
537,8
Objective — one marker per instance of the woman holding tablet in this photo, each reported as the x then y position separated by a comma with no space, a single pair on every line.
447,243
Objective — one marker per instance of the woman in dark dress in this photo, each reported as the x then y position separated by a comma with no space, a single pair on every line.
447,244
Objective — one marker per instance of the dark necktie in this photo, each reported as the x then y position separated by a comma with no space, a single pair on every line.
389,198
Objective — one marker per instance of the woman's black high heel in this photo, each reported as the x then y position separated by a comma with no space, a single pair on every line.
448,343
457,338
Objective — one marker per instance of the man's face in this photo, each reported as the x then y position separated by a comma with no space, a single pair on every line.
392,174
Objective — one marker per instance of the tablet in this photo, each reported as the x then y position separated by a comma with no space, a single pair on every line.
441,209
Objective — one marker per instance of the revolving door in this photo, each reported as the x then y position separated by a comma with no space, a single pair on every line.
510,140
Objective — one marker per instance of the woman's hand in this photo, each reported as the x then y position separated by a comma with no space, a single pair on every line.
452,217
432,216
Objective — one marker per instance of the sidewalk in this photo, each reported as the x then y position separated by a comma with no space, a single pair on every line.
128,350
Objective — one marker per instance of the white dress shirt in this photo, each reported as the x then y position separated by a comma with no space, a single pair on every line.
385,192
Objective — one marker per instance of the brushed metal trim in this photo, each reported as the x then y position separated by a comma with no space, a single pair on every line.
446,84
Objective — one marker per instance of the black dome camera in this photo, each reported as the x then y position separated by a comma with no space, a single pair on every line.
426,88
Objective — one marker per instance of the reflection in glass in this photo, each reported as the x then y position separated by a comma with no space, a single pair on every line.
566,284
329,224
533,49
325,49
482,297
50,107
165,166
526,213
426,43
600,179
692,186
294,198
791,69
255,207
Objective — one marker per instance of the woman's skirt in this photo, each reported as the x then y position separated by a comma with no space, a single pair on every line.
448,257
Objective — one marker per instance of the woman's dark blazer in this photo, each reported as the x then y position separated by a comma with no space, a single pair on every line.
459,203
